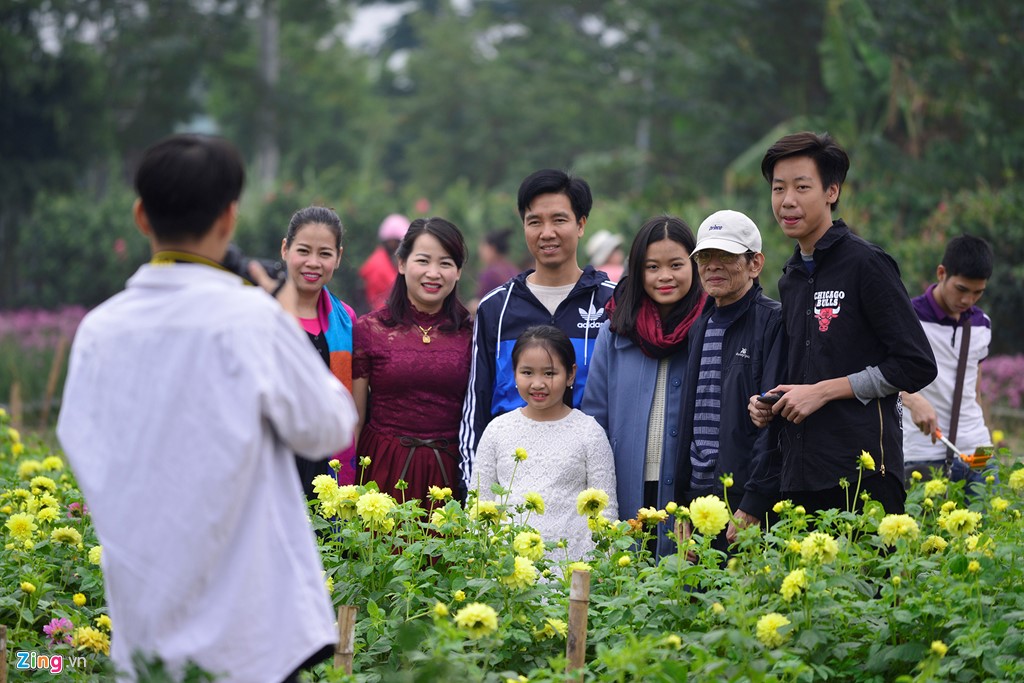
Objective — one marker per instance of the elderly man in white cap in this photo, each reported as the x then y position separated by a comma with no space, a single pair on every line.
737,348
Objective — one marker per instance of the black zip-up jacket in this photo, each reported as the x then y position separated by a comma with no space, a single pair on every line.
753,361
851,313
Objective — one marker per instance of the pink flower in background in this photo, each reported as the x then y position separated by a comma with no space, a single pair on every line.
1002,380
59,631
77,510
422,206
120,248
36,329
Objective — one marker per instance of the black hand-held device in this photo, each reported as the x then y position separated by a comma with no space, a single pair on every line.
769,399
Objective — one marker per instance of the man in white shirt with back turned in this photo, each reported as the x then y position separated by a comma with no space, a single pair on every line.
187,395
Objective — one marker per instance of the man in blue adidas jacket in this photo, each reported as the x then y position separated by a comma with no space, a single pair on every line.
554,207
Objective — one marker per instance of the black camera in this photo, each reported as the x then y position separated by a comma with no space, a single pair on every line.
238,263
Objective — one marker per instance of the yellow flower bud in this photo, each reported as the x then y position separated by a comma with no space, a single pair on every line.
916,476
939,648
28,587
625,561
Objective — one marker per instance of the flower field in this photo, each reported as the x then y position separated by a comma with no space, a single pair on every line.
452,592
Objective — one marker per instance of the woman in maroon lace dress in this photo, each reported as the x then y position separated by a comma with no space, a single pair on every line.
411,366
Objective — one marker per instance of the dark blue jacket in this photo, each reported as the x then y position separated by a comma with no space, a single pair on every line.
501,317
753,361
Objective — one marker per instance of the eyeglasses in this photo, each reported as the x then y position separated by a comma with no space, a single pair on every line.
724,257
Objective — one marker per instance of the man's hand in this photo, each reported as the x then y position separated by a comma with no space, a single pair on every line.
922,412
740,520
760,413
273,287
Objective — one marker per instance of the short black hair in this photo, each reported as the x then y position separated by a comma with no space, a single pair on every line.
186,182
969,257
553,181
830,159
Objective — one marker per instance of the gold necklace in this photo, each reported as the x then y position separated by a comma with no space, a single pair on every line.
426,335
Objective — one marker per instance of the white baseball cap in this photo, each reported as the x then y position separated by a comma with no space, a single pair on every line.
729,231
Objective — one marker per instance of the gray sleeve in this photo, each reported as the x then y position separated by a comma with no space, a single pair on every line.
869,384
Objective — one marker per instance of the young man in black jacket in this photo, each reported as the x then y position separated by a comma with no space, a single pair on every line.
854,340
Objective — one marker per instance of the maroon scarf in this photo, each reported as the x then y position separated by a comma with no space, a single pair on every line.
649,335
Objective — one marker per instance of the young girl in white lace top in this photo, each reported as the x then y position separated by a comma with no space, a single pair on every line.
567,451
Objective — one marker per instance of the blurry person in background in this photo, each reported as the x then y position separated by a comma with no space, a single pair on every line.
379,271
497,269
605,253
956,328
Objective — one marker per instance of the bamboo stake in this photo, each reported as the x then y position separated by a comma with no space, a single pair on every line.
3,654
345,649
51,382
16,406
576,640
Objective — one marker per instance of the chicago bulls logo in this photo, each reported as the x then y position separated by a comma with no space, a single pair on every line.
827,306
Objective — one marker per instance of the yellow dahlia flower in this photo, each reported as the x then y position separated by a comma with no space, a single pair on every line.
534,502
52,462
523,575
935,488
818,547
895,527
768,629
89,638
373,507
933,544
793,585
866,462
651,516
591,502
529,545
960,522
66,534
477,619
709,515
21,525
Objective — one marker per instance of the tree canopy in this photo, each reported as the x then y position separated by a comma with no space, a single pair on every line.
662,106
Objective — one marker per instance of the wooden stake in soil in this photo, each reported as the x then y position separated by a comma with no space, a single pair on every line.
16,406
576,640
51,382
345,650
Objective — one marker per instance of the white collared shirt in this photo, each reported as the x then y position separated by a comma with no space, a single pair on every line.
186,396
